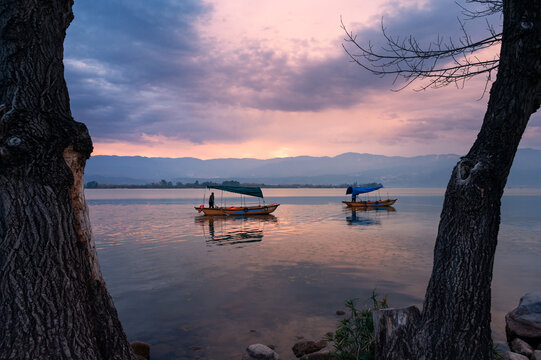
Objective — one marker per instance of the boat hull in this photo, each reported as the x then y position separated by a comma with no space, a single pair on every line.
234,210
365,204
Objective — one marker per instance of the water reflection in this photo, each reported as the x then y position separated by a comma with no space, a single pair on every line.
173,288
231,230
366,216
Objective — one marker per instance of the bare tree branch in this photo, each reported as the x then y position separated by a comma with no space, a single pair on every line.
491,7
441,63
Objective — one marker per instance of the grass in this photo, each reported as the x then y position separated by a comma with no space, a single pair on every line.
497,354
354,336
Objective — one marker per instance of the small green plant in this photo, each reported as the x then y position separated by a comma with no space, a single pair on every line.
354,337
497,354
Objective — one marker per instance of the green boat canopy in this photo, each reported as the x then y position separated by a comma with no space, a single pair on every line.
245,190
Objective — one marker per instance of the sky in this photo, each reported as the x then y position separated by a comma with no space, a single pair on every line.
263,79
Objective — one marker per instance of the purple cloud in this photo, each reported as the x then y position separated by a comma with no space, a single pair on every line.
136,67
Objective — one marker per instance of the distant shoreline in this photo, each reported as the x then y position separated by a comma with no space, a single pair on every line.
204,185
292,186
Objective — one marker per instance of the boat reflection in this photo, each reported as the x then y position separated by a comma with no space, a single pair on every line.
361,216
231,230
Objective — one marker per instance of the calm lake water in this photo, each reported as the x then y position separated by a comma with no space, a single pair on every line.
205,288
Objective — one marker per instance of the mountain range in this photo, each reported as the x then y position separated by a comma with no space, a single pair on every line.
392,171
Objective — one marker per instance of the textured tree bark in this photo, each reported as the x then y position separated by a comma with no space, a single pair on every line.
54,303
392,330
455,321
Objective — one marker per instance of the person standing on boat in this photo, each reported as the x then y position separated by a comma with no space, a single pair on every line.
211,201
353,198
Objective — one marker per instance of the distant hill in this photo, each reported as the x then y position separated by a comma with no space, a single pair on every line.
392,171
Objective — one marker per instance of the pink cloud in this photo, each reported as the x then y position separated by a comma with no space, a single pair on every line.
262,79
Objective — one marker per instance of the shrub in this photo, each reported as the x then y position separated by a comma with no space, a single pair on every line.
354,337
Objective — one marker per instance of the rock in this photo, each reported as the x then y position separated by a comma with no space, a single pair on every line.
515,356
319,355
259,352
520,346
525,320
532,302
340,312
323,354
307,347
537,355
141,350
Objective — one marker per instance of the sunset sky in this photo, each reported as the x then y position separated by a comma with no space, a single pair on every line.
263,79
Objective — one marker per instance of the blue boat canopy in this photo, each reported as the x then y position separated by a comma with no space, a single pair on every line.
245,190
361,190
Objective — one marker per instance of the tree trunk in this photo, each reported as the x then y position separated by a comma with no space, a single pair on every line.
54,303
455,321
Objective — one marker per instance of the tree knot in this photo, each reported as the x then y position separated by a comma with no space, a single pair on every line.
526,25
14,141
526,22
466,168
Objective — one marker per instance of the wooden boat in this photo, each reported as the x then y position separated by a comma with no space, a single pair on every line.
239,210
375,203
354,191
